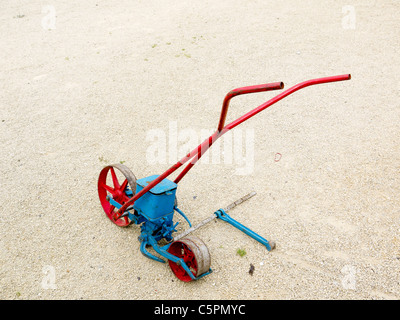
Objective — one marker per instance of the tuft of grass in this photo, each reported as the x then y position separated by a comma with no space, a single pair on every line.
241,252
101,159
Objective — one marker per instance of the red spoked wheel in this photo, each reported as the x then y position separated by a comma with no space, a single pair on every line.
195,254
114,183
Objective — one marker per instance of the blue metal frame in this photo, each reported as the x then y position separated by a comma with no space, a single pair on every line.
156,229
153,229
221,214
147,239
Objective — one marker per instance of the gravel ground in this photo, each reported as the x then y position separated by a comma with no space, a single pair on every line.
83,83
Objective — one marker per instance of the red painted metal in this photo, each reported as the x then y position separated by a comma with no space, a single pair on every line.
117,190
194,253
196,153
182,251
200,151
265,87
244,90
284,94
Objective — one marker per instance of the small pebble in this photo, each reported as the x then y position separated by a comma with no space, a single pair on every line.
251,271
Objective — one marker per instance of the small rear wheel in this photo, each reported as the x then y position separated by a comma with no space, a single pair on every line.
115,180
194,253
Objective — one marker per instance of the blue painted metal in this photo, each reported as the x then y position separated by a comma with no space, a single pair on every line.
183,215
163,252
154,212
113,202
159,201
221,214
158,229
150,240
147,254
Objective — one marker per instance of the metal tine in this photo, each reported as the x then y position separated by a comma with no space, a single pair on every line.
214,216
240,201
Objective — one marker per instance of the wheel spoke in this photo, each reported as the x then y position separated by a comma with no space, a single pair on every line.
188,257
125,198
115,184
108,188
114,179
182,252
124,185
190,261
189,250
111,210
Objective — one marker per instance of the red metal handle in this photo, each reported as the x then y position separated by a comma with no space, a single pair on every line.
245,90
203,147
283,95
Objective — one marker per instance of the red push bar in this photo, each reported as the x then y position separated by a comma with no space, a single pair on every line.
203,147
285,94
244,90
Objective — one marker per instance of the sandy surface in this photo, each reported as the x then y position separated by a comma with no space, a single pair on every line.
84,89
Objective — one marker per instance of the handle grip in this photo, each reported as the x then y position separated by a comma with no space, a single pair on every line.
245,90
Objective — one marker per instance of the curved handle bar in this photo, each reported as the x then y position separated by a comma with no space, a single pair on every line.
203,147
283,95
245,90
